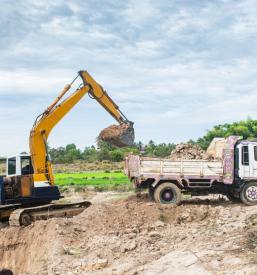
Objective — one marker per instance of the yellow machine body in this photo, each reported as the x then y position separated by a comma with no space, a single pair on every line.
53,114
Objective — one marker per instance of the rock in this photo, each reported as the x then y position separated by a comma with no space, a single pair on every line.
194,231
183,238
154,234
132,235
159,224
99,264
129,246
72,251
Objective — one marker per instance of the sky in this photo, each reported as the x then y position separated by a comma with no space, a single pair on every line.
175,67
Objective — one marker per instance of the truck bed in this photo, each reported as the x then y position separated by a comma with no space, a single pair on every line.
144,167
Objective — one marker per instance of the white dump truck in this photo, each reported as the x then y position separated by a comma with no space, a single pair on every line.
233,175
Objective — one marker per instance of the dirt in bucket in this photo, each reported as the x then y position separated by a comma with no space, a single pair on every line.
118,135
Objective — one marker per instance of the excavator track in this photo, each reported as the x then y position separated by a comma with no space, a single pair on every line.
25,216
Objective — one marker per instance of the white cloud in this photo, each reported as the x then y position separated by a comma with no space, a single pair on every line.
177,63
28,82
63,26
138,13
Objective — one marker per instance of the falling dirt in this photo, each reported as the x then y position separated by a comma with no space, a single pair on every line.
188,151
118,135
133,235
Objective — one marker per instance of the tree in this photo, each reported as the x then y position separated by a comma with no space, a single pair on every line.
246,129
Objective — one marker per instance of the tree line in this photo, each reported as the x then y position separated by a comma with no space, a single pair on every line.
245,128
105,151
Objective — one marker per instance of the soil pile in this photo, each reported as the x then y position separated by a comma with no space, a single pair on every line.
119,135
188,151
91,241
121,237
135,212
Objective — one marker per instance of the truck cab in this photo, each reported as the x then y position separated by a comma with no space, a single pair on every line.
246,160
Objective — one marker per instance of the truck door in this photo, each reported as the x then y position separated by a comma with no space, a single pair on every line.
244,163
247,160
254,160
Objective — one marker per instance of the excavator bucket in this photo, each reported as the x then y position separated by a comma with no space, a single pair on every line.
118,135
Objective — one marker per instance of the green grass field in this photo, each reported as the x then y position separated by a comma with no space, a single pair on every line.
98,179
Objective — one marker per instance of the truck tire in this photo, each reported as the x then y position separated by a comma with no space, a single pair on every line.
167,193
248,194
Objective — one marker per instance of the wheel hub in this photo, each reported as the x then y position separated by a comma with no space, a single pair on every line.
251,193
167,195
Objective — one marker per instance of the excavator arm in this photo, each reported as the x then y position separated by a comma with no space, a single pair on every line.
97,92
57,110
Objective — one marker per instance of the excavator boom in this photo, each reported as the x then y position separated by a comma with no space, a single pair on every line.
123,135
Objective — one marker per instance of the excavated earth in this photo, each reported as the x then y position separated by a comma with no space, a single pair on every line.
118,135
188,151
133,235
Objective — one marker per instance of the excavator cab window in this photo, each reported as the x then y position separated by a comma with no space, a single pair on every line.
12,166
26,167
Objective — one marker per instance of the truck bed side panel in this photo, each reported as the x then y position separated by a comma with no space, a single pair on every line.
142,168
181,168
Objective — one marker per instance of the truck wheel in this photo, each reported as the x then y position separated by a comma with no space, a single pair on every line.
167,193
248,194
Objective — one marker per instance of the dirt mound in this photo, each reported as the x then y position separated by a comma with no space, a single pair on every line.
138,212
27,249
107,218
118,237
118,135
188,151
102,234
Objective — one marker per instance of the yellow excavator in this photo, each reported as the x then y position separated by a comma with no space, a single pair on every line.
27,190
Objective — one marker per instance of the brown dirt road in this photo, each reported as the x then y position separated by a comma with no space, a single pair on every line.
133,235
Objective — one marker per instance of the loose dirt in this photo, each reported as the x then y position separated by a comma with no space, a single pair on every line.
119,135
188,151
133,235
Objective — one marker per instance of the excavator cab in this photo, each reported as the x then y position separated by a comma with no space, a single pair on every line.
19,186
19,165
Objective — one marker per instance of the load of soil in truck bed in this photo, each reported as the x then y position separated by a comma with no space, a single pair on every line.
188,151
118,135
